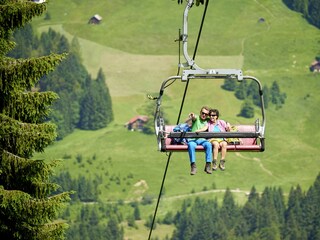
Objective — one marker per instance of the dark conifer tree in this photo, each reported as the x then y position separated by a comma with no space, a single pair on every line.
300,6
63,44
229,84
201,215
96,106
248,220
247,109
46,42
268,218
314,12
241,90
27,210
229,210
311,210
113,230
136,213
184,225
25,42
75,48
106,101
277,97
68,82
293,226
279,204
89,108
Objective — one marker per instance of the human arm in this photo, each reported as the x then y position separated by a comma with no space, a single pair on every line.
191,117
203,129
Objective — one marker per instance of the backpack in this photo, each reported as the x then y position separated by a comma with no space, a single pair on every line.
233,141
182,127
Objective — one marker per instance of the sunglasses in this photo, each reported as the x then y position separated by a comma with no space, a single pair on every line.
213,115
203,113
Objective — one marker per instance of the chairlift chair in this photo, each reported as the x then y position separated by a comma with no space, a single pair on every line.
252,136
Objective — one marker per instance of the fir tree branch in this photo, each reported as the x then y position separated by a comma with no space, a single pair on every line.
30,107
22,74
24,139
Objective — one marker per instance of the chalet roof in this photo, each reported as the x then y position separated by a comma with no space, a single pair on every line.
38,1
139,117
98,17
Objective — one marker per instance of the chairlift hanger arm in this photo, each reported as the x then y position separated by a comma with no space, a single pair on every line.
158,120
194,69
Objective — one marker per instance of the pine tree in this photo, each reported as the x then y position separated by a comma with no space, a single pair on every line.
96,105
106,101
27,208
184,224
248,222
293,227
68,81
229,210
89,108
314,12
229,84
277,97
269,224
241,90
311,210
136,213
25,40
247,109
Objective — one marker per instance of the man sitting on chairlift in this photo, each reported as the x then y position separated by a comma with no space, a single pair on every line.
198,124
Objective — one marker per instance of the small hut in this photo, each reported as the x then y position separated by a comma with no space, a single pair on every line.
38,1
137,123
315,66
96,19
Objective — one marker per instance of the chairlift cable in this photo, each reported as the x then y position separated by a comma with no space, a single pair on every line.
159,197
179,115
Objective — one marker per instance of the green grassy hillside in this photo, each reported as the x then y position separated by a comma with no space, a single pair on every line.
135,46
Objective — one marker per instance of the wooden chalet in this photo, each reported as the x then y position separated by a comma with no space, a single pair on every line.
137,123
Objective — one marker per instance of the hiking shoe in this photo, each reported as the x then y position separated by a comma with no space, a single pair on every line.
214,165
221,165
193,169
207,168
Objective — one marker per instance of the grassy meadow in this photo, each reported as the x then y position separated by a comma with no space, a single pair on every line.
135,46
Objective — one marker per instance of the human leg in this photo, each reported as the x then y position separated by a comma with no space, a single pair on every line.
223,146
215,146
192,151
192,156
208,150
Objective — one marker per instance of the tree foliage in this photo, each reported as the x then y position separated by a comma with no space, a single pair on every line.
96,104
84,103
91,224
251,95
28,209
309,8
86,190
264,216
